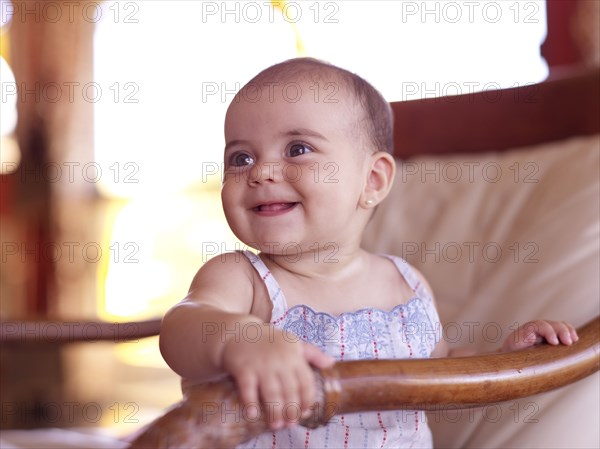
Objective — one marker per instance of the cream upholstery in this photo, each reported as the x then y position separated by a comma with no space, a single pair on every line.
504,238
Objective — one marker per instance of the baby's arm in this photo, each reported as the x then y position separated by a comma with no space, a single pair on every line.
192,332
212,332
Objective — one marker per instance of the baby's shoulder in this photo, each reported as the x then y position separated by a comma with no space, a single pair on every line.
228,259
225,281
231,267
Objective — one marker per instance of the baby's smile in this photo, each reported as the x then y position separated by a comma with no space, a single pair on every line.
274,208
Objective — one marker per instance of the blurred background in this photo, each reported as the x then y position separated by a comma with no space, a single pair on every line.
111,126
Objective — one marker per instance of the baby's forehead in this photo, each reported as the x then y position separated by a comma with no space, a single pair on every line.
320,84
289,86
297,96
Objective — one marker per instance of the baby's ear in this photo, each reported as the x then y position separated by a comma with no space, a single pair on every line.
380,177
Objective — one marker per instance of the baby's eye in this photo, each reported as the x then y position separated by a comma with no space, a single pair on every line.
298,149
240,159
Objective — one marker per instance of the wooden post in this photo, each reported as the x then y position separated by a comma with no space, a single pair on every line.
51,56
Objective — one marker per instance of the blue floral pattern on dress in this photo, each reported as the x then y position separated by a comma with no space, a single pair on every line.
367,333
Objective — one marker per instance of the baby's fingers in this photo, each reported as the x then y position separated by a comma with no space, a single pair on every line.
308,392
566,333
248,387
556,332
291,405
316,357
272,393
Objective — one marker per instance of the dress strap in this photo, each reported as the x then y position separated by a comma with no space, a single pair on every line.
410,276
420,291
275,293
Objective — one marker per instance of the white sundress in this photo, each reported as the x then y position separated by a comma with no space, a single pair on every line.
409,330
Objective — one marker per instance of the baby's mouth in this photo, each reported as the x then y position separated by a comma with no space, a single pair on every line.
274,207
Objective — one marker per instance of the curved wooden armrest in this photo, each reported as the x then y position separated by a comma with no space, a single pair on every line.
210,415
74,331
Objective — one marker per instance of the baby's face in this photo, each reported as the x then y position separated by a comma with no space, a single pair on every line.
294,168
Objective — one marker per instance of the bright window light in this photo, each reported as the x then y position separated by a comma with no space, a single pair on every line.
167,69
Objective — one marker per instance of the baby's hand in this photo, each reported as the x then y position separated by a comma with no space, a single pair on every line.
274,370
554,332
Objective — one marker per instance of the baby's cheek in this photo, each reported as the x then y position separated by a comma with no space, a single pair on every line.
228,196
229,208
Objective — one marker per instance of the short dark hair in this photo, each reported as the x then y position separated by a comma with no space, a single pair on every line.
378,120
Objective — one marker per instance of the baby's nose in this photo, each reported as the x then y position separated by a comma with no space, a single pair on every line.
265,172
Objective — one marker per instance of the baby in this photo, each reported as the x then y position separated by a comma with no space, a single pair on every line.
307,160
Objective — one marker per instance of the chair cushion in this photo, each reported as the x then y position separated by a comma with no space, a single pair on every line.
504,238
